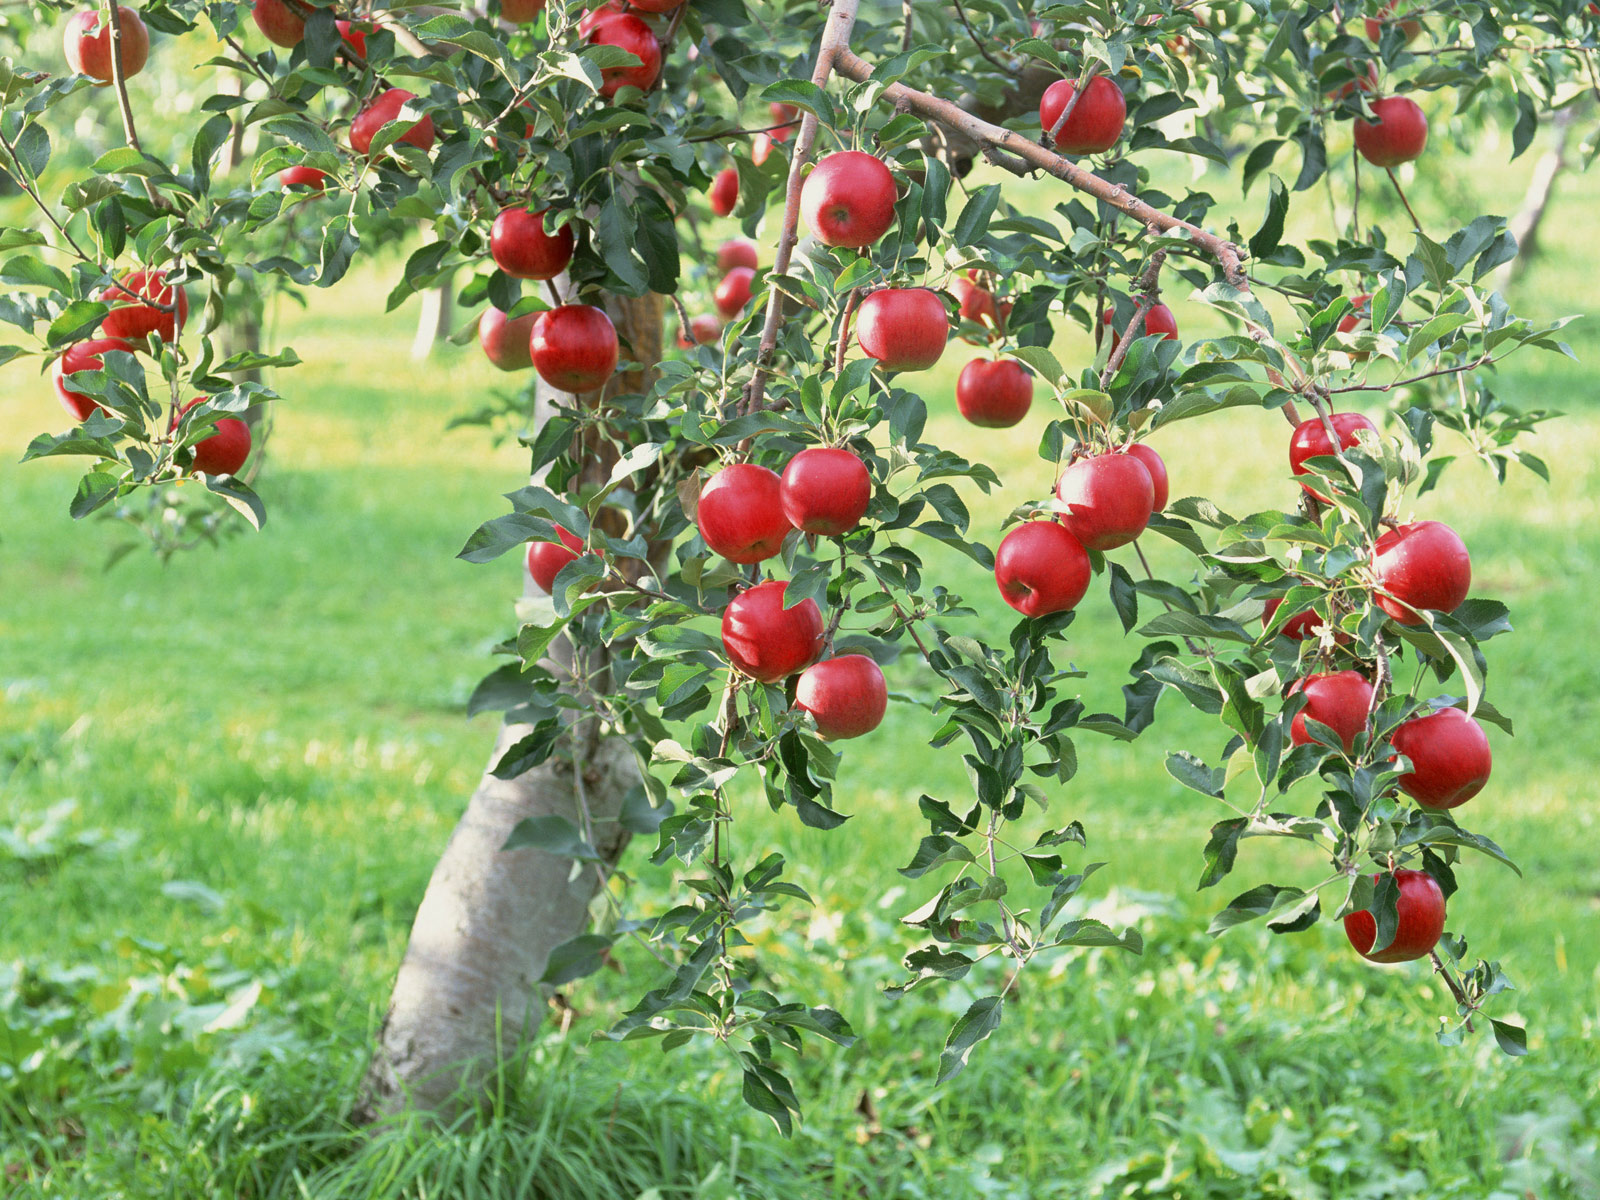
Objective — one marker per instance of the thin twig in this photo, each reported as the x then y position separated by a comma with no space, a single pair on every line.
121,83
1400,191
1149,288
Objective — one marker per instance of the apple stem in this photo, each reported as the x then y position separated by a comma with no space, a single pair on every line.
1089,71
1455,988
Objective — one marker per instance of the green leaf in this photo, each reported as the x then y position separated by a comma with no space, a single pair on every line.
1266,239
974,1026
575,958
973,222
1193,773
1513,1039
554,835
804,95
94,490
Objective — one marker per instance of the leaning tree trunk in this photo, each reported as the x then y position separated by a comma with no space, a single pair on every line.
467,996
1541,188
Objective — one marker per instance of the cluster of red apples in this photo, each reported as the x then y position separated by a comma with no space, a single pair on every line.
1398,131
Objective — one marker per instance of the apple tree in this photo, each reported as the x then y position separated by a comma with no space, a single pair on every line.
729,519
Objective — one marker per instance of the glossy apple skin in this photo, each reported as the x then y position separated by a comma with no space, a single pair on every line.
574,348
1040,569
87,44
848,199
626,32
1310,440
1096,121
905,329
1450,758
724,193
1159,320
306,177
976,303
225,451
1399,135
825,490
82,356
379,113
522,249
703,329
1158,472
133,320
737,252
766,641
521,12
1339,700
846,696
507,344
1110,499
545,559
733,292
282,25
740,514
1420,910
1424,565
994,393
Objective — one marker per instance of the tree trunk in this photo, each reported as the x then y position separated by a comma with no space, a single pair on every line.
433,322
1541,187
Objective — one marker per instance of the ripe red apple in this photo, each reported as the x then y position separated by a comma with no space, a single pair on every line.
994,393
1298,627
1109,499
1374,25
767,641
784,115
737,252
1367,83
703,329
1420,909
354,37
1158,472
848,199
379,113
1361,310
226,450
825,490
303,176
522,249
1310,440
82,356
1040,568
760,148
905,329
724,193
1340,700
574,347
521,12
1450,759
977,303
655,6
846,696
545,559
1423,565
1399,135
1158,320
507,343
133,318
87,44
740,514
1096,121
625,31
282,25
733,293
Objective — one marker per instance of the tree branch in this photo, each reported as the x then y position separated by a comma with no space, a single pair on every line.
115,17
1149,290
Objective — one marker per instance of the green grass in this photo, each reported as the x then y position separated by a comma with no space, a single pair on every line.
259,753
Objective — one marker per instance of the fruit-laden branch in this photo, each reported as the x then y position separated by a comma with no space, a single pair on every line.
119,79
1149,290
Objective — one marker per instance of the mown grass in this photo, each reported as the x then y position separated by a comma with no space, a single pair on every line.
263,753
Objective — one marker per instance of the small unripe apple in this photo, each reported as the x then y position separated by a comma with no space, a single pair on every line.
846,696
848,199
1340,700
1423,565
82,356
1310,440
1040,568
1420,909
605,27
1158,320
522,249
1398,135
766,641
1450,759
379,113
225,451
545,559
1096,121
1374,25
1109,499
994,393
740,513
574,348
737,252
733,292
134,317
724,193
1158,472
303,176
703,330
905,329
506,343
87,44
521,12
282,25
825,490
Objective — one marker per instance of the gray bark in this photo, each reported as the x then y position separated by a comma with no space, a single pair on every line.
433,321
1525,225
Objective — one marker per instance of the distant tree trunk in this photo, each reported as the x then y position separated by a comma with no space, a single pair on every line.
433,322
1525,225
467,995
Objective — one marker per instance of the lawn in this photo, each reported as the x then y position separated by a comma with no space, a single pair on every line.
223,784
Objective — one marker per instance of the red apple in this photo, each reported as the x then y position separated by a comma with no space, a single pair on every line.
282,25
1423,565
1159,320
1109,499
545,559
1096,121
733,293
740,514
1040,568
737,252
354,37
1374,25
767,641
521,12
1367,83
226,450
1450,759
87,44
846,696
82,356
655,6
1310,440
1298,627
825,490
1361,311
977,303
507,343
1420,909
760,148
303,176
994,393
522,249
724,191
783,115
1399,135
379,113
905,329
626,32
1158,471
132,318
848,199
1340,700
574,347
703,329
